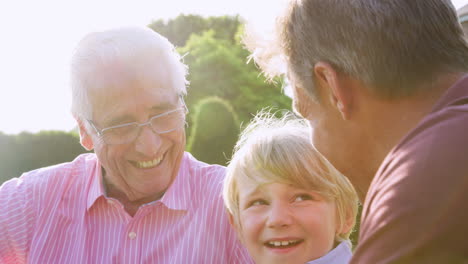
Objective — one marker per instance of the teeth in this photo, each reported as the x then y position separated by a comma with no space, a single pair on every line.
282,243
148,164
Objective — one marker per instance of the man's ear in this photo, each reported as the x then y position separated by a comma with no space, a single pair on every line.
85,138
335,87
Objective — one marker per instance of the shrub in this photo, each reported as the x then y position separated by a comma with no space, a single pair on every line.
214,131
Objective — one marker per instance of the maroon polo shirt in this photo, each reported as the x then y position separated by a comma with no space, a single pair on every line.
416,209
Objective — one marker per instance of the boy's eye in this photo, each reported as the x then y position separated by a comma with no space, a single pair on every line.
257,202
303,197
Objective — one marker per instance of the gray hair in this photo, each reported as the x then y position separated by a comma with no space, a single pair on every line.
395,47
144,52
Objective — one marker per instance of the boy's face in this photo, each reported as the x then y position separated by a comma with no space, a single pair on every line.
279,223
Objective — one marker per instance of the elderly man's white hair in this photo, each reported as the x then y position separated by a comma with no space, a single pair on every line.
143,51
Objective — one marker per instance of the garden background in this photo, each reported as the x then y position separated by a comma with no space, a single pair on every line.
224,93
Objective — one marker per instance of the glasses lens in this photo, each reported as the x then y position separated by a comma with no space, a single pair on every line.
120,135
169,121
164,123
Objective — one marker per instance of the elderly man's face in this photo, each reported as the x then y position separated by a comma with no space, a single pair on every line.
140,170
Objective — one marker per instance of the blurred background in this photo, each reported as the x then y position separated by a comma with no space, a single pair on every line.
38,38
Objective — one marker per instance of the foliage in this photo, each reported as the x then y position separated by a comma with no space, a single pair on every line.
355,234
179,29
218,68
218,65
214,132
26,151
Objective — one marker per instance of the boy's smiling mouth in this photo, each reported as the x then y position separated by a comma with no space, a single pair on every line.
283,243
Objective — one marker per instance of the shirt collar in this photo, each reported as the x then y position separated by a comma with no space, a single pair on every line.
96,188
457,94
179,195
340,254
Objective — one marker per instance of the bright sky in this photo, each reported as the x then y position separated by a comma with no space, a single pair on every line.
38,37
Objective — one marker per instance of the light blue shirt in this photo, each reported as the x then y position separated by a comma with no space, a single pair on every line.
341,254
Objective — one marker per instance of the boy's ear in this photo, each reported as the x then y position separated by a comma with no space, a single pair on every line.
335,87
349,222
85,138
235,226
231,220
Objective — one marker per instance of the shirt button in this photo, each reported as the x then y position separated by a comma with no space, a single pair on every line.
132,235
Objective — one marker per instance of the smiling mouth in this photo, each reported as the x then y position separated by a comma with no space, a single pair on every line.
282,243
148,164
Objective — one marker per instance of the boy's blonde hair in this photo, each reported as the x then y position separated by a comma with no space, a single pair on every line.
279,150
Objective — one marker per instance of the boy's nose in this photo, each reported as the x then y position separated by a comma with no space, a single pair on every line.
279,216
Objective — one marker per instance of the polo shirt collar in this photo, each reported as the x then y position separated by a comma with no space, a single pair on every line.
455,95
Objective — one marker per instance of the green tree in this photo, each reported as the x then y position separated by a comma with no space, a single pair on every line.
26,151
214,131
218,67
179,29
217,64
7,157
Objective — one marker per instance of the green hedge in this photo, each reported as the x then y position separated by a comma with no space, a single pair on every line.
214,131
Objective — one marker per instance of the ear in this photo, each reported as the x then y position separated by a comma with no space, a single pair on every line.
236,226
85,138
335,87
349,222
231,220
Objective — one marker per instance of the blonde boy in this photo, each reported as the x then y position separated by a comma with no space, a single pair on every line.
287,203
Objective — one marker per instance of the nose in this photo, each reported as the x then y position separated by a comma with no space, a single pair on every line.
280,215
148,142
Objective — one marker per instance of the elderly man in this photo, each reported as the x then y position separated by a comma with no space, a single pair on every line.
140,198
383,86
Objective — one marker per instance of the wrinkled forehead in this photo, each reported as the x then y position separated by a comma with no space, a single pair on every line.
119,73
114,86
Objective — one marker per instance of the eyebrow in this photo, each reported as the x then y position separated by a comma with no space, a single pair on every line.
118,120
164,107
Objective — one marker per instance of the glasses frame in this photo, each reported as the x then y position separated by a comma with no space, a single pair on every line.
100,132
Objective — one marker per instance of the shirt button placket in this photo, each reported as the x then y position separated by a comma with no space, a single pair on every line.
132,235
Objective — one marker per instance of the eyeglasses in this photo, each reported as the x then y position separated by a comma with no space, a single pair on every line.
125,133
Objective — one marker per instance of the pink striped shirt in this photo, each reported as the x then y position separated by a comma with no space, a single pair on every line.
60,214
